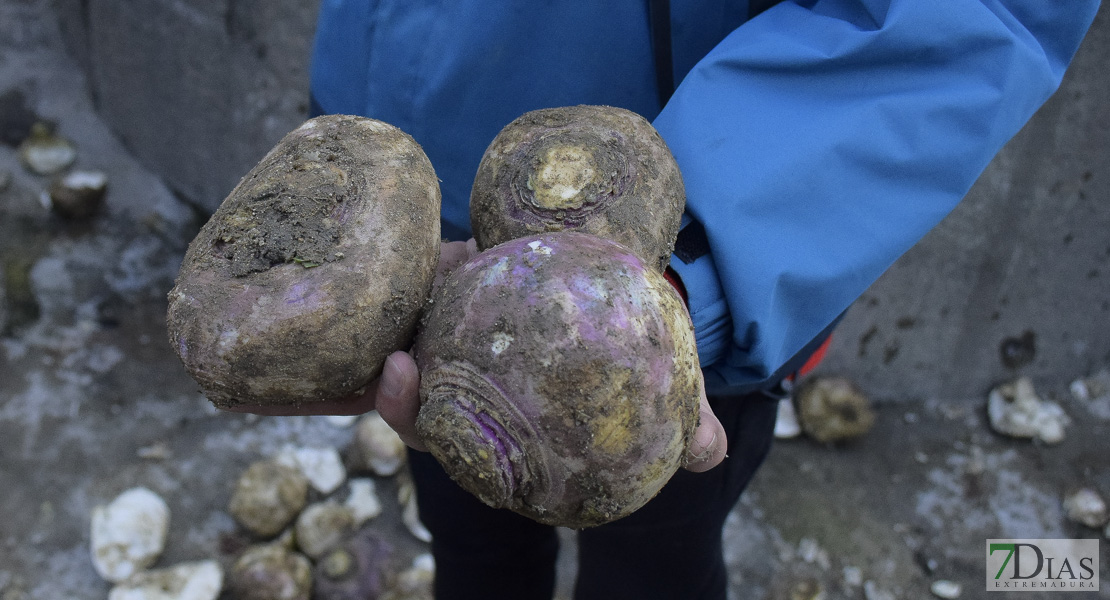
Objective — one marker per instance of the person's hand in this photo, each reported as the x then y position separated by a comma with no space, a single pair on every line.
710,443
395,394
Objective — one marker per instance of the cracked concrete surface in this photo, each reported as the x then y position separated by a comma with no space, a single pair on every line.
87,380
912,502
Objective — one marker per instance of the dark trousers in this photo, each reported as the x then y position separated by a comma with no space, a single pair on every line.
670,548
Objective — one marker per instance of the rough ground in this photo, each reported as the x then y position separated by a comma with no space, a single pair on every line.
87,380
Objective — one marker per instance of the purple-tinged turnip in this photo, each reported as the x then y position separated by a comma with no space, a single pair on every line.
313,270
271,572
596,169
559,379
359,569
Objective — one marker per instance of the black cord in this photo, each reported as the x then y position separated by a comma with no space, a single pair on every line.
660,15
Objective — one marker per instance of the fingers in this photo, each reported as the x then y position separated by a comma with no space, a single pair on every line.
710,443
451,255
398,397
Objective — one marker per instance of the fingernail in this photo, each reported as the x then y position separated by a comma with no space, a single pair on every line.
707,451
393,382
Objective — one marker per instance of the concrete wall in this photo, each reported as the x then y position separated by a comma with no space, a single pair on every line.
200,89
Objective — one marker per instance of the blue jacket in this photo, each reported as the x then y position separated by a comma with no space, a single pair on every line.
818,140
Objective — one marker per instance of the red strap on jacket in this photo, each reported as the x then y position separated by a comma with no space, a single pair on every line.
814,359
675,282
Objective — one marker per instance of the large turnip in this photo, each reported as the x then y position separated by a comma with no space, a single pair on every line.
560,379
596,169
313,270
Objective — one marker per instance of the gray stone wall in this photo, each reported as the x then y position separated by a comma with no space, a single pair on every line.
198,89
201,89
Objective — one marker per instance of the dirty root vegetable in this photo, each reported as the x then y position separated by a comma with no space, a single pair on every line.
268,496
313,270
271,572
596,169
360,569
559,379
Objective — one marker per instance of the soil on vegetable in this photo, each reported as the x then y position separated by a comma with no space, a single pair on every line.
278,221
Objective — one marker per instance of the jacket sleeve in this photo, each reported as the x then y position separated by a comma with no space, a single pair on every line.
819,141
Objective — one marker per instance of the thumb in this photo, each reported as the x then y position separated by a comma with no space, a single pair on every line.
398,397
710,442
